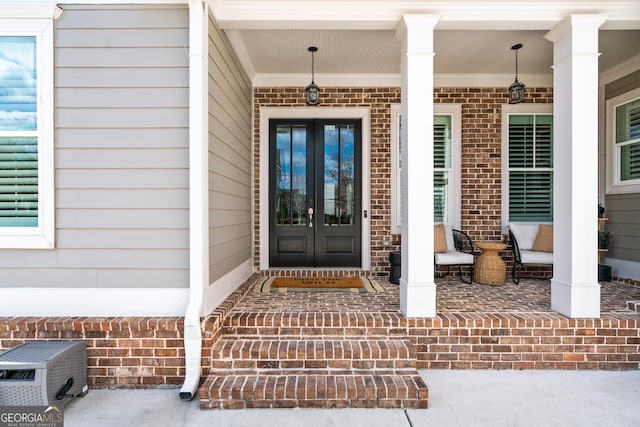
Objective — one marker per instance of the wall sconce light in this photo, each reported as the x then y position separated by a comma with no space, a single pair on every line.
516,90
312,91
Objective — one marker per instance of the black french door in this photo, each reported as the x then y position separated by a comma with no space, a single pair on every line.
315,205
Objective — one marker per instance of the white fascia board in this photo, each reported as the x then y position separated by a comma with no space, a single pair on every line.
384,15
30,11
393,80
240,50
23,3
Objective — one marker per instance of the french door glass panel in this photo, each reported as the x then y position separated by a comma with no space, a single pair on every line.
339,175
291,176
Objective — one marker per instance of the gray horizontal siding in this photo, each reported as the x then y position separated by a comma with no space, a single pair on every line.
623,211
95,77
229,106
121,159
103,278
119,138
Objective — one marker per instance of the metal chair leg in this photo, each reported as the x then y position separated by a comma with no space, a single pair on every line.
462,278
515,273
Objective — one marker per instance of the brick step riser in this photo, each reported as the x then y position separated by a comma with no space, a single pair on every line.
354,365
314,391
306,332
313,349
316,320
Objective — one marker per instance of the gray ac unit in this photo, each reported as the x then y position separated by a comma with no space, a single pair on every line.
43,373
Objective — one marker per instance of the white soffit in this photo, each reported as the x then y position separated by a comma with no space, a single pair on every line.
454,14
357,42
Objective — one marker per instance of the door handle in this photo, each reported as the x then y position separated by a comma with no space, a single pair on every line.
310,212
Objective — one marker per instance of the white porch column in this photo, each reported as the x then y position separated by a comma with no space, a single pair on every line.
417,286
575,291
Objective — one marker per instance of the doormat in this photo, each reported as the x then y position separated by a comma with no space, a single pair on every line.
317,284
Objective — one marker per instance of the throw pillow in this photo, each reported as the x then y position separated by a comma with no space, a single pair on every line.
439,239
544,239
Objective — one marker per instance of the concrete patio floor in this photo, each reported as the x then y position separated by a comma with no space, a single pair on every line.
456,398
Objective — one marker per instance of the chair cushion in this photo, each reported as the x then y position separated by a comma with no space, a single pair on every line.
525,234
439,239
533,257
448,231
544,239
453,258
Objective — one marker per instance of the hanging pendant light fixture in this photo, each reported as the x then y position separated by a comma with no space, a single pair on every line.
312,91
516,90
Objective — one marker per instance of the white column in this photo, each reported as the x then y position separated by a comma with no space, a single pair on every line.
575,291
417,286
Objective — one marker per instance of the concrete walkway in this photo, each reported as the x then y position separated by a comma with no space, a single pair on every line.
457,398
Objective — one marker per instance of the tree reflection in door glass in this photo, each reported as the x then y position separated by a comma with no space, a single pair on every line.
339,175
291,175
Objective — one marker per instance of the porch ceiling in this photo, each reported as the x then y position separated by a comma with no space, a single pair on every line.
273,40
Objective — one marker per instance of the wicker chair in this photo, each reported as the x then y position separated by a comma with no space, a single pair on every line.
521,239
459,252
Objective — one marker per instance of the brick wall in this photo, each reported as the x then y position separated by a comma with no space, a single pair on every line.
481,155
123,352
508,341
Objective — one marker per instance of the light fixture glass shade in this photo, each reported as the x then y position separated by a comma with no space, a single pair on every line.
516,92
312,91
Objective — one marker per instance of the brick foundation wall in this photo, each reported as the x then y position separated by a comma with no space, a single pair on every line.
481,189
508,341
122,352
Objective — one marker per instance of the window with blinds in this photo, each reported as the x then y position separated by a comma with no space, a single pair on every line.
441,167
18,132
530,167
628,140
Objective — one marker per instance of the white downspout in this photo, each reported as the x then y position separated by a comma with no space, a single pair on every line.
198,197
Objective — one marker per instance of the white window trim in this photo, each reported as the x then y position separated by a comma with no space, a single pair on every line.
396,220
455,111
268,113
507,109
614,185
42,236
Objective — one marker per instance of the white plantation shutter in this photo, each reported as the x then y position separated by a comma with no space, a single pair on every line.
530,168
18,182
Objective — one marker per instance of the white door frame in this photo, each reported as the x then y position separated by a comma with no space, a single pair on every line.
268,113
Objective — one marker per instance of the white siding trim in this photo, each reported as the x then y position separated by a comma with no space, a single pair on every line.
623,268
54,302
314,113
217,292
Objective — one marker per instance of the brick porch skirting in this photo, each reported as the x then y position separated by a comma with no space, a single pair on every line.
126,352
477,327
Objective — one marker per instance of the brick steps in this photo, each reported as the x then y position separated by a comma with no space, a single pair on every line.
312,353
313,390
313,360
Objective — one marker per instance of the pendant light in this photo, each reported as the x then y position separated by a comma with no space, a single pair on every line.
516,90
312,91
